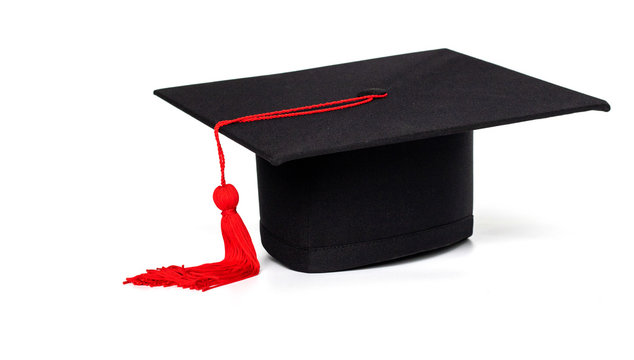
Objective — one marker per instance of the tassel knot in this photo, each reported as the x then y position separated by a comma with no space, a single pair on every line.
226,197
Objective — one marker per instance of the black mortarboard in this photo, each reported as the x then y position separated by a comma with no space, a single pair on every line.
383,173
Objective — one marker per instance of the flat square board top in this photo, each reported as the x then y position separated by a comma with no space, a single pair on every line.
430,93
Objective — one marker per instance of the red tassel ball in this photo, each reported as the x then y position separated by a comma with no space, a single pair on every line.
226,197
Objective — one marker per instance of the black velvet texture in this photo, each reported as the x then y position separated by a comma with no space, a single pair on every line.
345,210
431,93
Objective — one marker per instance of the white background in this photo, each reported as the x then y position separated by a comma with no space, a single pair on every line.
101,180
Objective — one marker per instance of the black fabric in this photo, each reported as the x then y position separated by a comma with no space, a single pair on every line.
350,256
350,209
431,93
387,179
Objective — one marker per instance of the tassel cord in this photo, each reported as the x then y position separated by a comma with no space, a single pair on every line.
240,261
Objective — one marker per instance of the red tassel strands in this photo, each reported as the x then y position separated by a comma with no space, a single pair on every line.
240,261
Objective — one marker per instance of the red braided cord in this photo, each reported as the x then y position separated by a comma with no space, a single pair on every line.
240,261
298,111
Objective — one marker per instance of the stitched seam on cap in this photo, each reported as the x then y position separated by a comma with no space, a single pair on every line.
364,242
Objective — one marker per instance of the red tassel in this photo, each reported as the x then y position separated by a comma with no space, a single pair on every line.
240,260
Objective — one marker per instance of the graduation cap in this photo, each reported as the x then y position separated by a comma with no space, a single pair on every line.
357,163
